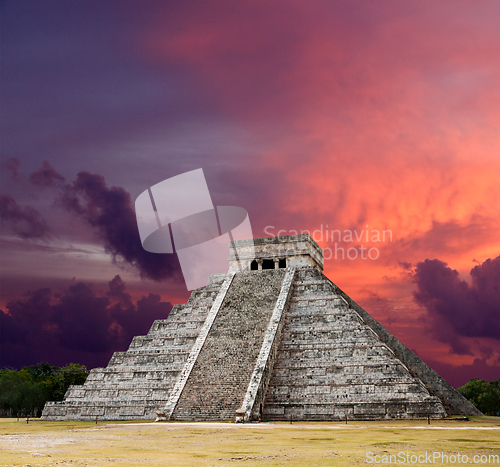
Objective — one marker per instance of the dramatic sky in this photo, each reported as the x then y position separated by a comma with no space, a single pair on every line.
352,116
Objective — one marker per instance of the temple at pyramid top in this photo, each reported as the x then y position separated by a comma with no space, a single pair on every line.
275,253
271,339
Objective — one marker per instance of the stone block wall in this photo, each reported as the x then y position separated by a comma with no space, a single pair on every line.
453,401
331,365
298,251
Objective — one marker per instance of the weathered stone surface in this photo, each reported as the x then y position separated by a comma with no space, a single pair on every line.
331,365
452,400
138,382
251,408
166,412
221,375
296,251
253,343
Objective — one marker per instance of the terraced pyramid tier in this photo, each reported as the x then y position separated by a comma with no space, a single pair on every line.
137,383
331,364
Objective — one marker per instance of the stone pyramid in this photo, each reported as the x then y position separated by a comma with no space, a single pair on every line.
272,339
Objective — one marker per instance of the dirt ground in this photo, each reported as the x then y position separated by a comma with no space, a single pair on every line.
447,442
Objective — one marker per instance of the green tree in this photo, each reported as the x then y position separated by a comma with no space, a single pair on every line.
24,392
69,375
42,371
485,396
20,394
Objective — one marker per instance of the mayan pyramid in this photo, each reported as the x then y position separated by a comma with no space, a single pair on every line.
272,339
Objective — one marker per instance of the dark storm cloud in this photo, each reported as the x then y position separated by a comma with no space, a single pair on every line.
76,325
46,176
25,222
110,212
459,375
456,308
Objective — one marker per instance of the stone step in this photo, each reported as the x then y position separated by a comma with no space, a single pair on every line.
163,330
346,338
172,337
127,394
322,327
163,384
369,363
329,351
430,406
108,410
304,309
305,379
325,317
152,358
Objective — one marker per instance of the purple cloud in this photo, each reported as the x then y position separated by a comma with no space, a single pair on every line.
110,212
76,325
458,375
456,308
25,222
46,176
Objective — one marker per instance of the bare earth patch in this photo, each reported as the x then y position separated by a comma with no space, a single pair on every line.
226,444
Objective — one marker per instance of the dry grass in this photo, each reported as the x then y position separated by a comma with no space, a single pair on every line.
224,444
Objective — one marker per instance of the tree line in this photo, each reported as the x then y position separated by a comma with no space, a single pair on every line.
485,396
23,393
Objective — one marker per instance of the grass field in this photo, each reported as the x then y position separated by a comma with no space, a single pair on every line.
256,444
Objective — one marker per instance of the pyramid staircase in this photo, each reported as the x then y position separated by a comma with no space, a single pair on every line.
221,375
